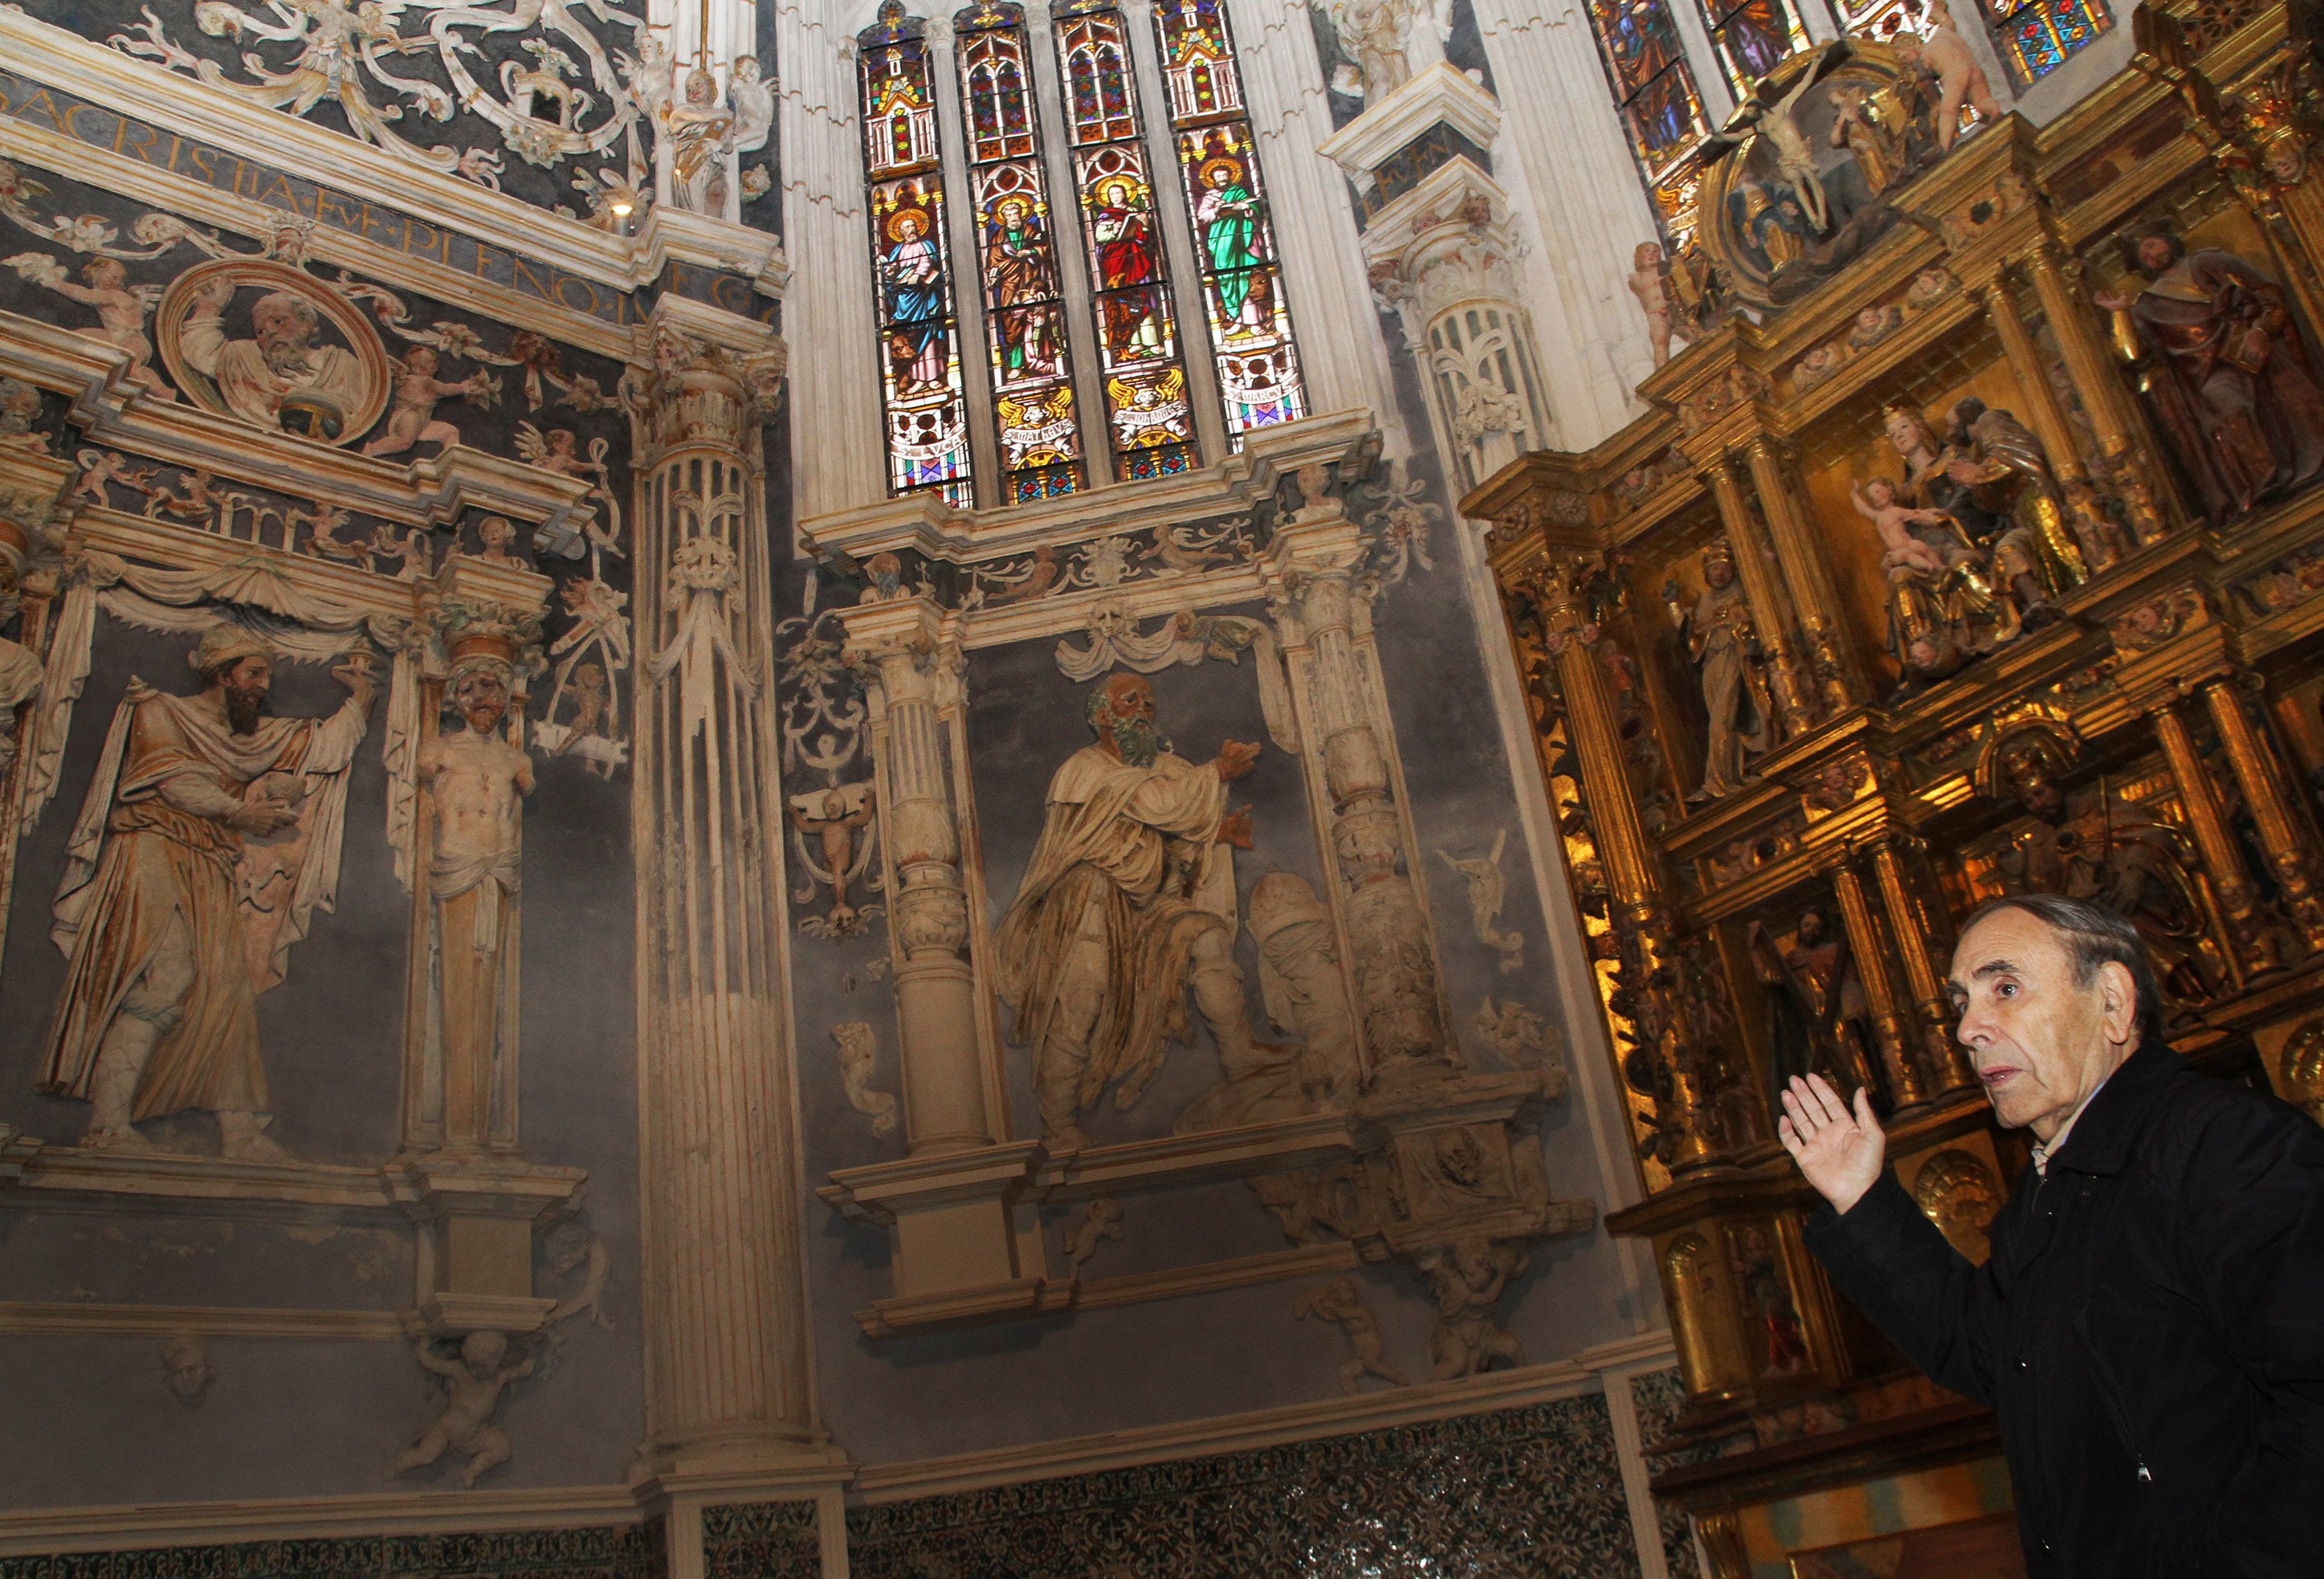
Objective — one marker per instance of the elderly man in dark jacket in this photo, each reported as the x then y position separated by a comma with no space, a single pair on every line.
2149,1330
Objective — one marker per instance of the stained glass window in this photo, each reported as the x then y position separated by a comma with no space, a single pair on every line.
1024,305
1749,36
2037,36
1661,107
919,351
1147,412
1243,290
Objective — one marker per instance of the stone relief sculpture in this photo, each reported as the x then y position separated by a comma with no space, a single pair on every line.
331,50
283,376
1129,902
571,1248
21,670
1372,33
1100,1221
1719,637
1516,1033
1958,1192
475,778
121,309
828,823
1301,984
1341,1303
1467,1276
698,132
1650,282
857,1046
1487,893
209,835
472,1385
2222,369
186,1371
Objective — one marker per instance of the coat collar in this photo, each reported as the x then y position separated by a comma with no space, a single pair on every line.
2102,1138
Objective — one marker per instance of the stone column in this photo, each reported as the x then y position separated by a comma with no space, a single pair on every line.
839,450
1771,611
1326,627
1924,974
2086,550
2114,416
729,1385
2249,938
1323,278
1839,680
911,667
1907,1084
2283,832
1573,171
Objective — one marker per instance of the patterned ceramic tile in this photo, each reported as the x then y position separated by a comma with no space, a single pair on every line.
623,1551
1658,1396
760,1541
1533,1492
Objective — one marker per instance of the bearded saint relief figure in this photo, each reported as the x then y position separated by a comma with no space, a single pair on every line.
209,835
1129,902
284,377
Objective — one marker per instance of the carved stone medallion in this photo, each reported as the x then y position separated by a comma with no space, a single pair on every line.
258,339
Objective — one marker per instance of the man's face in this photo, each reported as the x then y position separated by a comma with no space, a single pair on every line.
245,687
1133,719
2041,1040
1718,573
481,697
2154,253
1811,928
2037,794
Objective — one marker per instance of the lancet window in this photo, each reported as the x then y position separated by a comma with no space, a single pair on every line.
1218,164
1073,227
1661,107
2037,36
1038,426
1749,36
923,393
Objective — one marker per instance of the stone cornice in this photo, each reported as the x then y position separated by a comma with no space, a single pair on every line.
1441,94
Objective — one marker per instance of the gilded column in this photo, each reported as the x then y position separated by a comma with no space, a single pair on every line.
2283,832
1838,682
2088,549
1770,612
1906,1085
2248,935
1633,877
2113,416
1923,974
728,1378
1325,628
911,666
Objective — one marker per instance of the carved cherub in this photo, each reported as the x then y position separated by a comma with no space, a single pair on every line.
1650,283
472,1386
322,521
416,390
571,1245
1487,893
1100,1223
1875,500
100,467
497,535
199,502
830,819
121,309
1959,79
1341,1303
1468,1278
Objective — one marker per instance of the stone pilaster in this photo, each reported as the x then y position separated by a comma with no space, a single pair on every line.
1325,628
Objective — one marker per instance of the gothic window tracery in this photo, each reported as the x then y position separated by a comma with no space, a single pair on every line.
1749,36
2037,36
1242,295
924,394
1038,425
1661,106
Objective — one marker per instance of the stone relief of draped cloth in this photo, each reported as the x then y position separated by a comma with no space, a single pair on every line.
2243,427
1127,838
143,875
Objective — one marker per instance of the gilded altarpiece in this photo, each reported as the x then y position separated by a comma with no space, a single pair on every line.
1943,567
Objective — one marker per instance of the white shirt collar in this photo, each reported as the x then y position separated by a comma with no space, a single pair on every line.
2044,1152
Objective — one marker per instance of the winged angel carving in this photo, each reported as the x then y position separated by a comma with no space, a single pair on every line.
562,95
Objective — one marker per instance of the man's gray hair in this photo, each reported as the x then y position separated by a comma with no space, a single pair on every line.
2094,935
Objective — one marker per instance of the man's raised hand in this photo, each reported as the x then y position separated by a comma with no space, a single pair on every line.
1841,1152
1234,760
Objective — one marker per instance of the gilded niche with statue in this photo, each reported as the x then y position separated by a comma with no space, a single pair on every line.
1972,547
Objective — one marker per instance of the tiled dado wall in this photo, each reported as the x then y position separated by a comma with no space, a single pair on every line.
620,1551
1534,1492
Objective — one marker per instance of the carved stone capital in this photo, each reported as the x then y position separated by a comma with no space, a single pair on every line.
702,378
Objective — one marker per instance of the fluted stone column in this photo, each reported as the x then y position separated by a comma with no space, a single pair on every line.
840,454
728,1378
